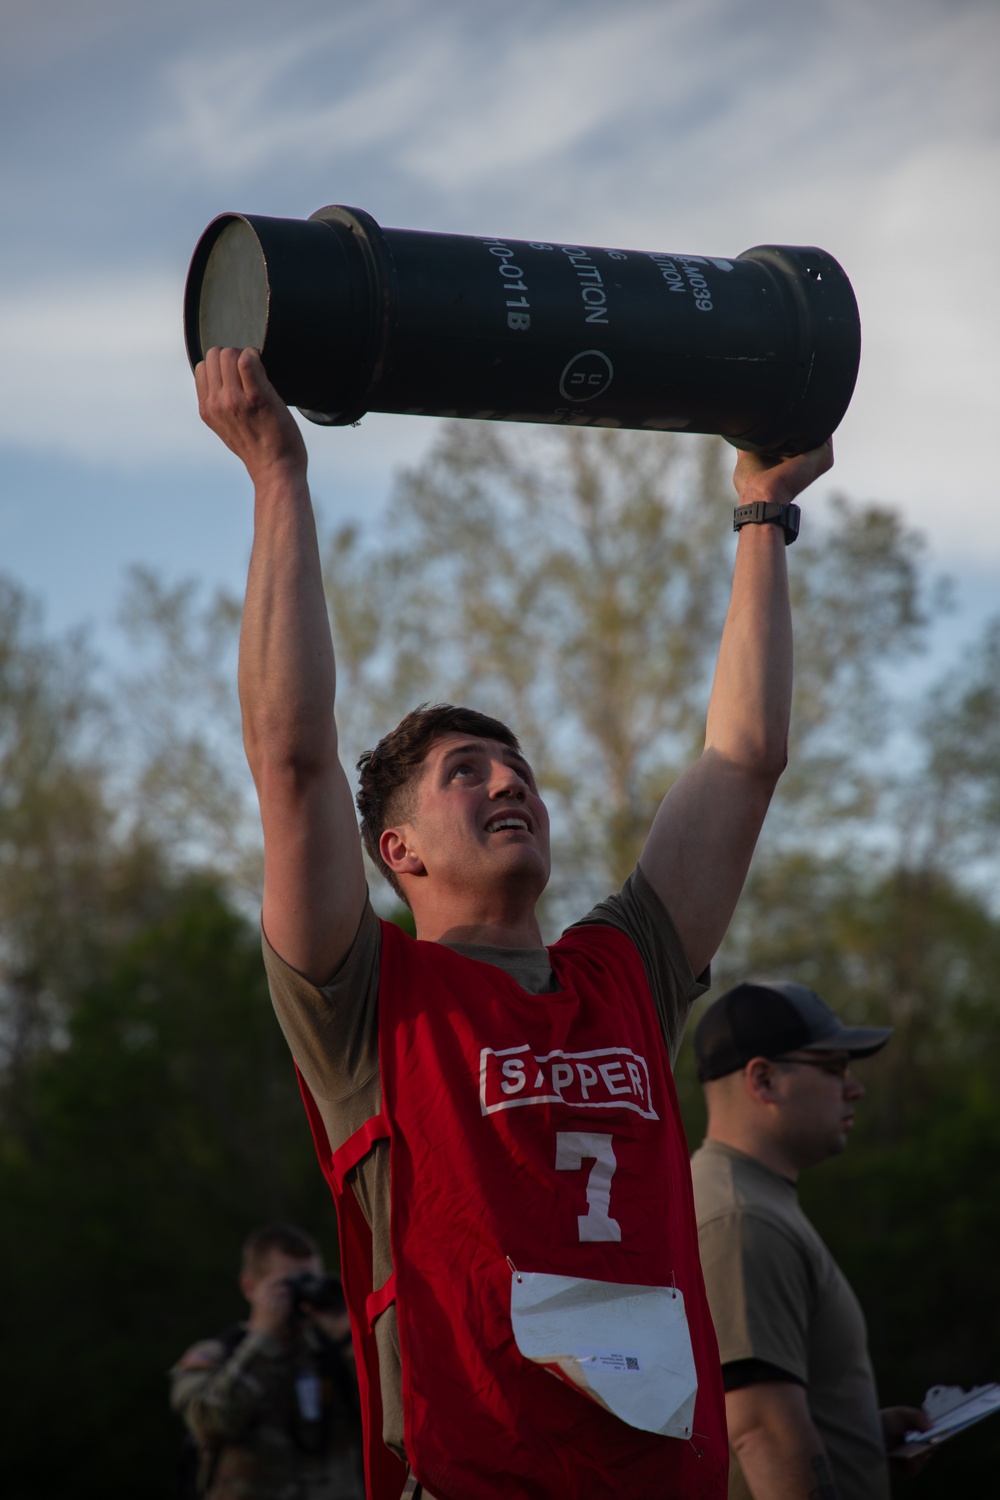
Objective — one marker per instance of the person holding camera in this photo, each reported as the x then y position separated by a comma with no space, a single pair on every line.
271,1405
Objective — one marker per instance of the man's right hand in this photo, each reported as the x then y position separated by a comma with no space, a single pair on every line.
314,879
239,403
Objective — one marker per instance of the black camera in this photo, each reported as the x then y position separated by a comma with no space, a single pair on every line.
349,317
309,1290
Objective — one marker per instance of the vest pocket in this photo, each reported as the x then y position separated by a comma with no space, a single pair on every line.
626,1347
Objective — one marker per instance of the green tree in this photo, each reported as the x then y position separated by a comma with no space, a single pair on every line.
166,1127
574,582
73,871
148,1108
952,811
908,1209
178,707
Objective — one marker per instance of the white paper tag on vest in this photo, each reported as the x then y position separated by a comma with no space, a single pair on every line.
309,1394
626,1347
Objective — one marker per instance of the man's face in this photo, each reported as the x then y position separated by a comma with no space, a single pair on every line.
817,1093
478,821
265,1286
278,1266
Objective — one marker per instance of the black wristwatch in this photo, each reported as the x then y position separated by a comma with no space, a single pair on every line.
769,512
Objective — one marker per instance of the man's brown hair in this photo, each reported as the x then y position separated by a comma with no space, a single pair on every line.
389,773
259,1244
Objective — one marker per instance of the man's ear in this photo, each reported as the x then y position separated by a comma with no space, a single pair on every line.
758,1080
397,854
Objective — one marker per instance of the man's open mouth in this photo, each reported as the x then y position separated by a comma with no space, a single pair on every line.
509,822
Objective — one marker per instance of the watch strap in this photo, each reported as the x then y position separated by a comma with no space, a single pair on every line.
769,513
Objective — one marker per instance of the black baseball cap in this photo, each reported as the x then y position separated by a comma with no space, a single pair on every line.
766,1018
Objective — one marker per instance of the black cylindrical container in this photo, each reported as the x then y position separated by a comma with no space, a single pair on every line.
350,317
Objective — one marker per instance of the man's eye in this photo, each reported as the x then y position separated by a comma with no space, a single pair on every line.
465,769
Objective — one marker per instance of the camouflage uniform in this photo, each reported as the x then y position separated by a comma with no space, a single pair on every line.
271,1422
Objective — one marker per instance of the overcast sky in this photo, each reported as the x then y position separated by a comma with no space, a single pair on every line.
868,127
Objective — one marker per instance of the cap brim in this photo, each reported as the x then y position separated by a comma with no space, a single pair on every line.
858,1041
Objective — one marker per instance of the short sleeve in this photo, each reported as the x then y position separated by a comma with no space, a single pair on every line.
637,911
759,1292
332,1029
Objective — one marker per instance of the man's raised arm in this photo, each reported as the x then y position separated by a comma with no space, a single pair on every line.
699,847
314,880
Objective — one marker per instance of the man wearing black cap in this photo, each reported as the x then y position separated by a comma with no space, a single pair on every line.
801,1405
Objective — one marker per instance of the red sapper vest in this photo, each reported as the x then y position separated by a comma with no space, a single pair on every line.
489,1093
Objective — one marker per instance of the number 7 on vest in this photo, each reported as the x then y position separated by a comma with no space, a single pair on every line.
573,1148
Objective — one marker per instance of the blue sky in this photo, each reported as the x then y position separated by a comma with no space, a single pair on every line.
869,127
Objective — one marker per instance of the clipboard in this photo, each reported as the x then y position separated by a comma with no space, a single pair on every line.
951,1410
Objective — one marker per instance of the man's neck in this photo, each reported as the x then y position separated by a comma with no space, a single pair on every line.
492,914
499,920
481,934
760,1147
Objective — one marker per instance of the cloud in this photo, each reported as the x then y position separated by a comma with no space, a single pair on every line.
451,97
95,372
922,426
704,126
236,111
547,93
454,100
95,369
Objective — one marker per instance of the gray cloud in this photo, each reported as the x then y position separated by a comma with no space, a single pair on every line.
698,125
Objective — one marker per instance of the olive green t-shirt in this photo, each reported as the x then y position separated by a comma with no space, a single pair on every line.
332,1031
776,1294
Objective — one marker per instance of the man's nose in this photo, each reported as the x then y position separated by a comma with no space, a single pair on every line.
505,782
853,1087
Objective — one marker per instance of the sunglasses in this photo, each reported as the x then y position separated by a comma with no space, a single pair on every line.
836,1067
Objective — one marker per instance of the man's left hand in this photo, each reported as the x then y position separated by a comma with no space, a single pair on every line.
897,1421
335,1324
763,476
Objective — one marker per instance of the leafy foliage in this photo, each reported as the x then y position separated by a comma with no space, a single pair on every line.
167,1127
574,583
181,724
71,875
908,1210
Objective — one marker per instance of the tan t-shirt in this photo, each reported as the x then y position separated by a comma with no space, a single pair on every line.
777,1295
332,1031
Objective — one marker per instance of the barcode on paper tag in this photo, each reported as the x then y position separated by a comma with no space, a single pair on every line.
611,1360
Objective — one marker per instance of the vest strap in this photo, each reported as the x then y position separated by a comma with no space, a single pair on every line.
357,1146
377,1302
